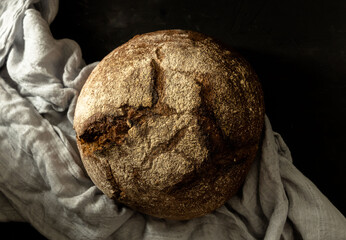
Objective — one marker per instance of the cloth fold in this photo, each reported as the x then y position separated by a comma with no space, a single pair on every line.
43,181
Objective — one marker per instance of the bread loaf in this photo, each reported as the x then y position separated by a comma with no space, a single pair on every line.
169,123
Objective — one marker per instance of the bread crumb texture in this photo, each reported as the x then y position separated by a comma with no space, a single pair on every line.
169,123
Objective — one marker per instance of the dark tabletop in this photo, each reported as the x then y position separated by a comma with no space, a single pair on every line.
298,49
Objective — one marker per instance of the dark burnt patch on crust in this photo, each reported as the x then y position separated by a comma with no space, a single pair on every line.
105,125
103,131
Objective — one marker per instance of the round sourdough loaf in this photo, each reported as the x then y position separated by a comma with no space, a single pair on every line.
169,123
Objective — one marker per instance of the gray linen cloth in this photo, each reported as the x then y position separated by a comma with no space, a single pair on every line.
43,182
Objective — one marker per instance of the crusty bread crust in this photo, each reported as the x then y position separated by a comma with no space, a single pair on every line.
169,123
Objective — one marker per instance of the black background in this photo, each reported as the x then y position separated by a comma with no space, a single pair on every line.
298,49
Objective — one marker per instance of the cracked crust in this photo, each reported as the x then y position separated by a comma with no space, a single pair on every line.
169,123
